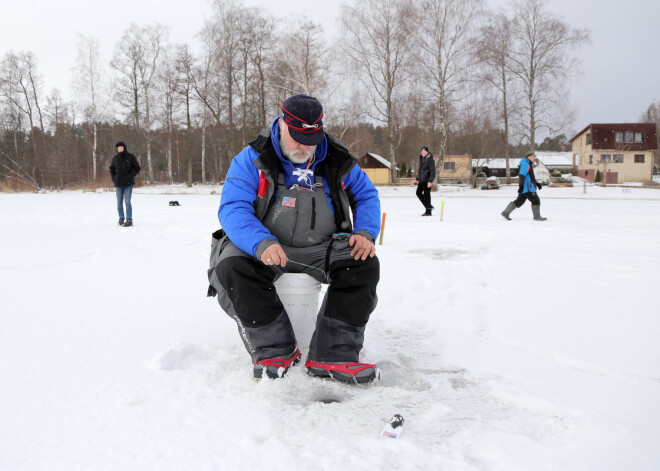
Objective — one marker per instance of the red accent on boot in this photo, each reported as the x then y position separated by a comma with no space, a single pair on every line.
351,368
280,362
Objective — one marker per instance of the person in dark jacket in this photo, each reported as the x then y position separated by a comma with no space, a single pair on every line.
123,170
527,189
286,207
425,178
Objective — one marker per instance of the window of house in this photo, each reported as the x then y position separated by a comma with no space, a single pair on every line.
591,159
450,166
639,158
629,136
605,157
589,139
617,158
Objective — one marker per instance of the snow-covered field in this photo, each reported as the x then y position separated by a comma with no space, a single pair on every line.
505,345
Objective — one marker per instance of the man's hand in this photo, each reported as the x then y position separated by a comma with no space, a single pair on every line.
539,185
362,247
416,182
274,255
429,184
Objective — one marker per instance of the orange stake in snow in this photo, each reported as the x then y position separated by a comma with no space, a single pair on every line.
382,229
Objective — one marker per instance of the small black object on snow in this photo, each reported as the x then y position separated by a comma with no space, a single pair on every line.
396,421
328,399
174,203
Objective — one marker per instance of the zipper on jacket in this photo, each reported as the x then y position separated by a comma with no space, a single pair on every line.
313,212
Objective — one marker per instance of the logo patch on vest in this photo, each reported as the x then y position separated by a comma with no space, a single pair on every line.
288,201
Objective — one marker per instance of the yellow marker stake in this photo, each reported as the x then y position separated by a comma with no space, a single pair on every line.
382,229
442,210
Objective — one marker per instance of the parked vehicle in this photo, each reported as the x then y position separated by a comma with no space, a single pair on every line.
491,183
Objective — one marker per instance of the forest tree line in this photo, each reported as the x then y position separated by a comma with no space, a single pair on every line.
448,74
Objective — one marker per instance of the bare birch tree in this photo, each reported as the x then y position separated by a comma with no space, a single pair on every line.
377,34
152,37
494,48
227,23
20,89
89,88
136,61
168,101
185,63
300,65
262,28
446,41
208,88
543,59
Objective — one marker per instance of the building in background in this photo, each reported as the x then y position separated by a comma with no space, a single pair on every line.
621,152
454,169
377,168
562,161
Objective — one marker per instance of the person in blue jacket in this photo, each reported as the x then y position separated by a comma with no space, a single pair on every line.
286,206
527,189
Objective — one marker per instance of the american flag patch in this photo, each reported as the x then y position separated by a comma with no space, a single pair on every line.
287,201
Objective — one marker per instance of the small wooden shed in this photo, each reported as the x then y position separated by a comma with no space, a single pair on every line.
377,168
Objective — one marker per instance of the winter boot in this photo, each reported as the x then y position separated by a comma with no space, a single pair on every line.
128,223
536,209
121,222
428,212
508,210
275,367
346,372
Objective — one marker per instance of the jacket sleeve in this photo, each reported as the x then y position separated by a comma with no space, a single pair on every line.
431,169
136,166
533,177
236,212
113,168
523,173
366,211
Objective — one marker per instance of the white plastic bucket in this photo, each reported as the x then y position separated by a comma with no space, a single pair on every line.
299,293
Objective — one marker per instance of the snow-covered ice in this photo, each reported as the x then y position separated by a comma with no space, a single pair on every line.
505,345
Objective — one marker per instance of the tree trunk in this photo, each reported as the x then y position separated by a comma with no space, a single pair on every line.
94,147
204,153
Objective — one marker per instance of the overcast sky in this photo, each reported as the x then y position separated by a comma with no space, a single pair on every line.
620,75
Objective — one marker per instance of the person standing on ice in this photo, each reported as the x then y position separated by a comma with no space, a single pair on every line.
286,206
527,189
123,170
425,178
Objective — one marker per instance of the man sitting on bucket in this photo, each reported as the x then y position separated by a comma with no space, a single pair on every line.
286,208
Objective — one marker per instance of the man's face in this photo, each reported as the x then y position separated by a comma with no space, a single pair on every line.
120,149
424,153
292,149
532,158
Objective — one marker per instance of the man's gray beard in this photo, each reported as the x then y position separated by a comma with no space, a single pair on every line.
296,160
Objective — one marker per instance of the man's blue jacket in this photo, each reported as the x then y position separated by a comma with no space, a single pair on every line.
251,187
527,181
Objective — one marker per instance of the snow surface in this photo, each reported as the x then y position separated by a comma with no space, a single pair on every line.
505,345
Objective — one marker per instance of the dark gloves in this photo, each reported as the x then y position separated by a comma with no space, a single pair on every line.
538,185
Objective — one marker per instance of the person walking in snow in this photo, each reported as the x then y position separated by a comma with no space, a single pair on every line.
425,178
123,170
286,206
527,189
